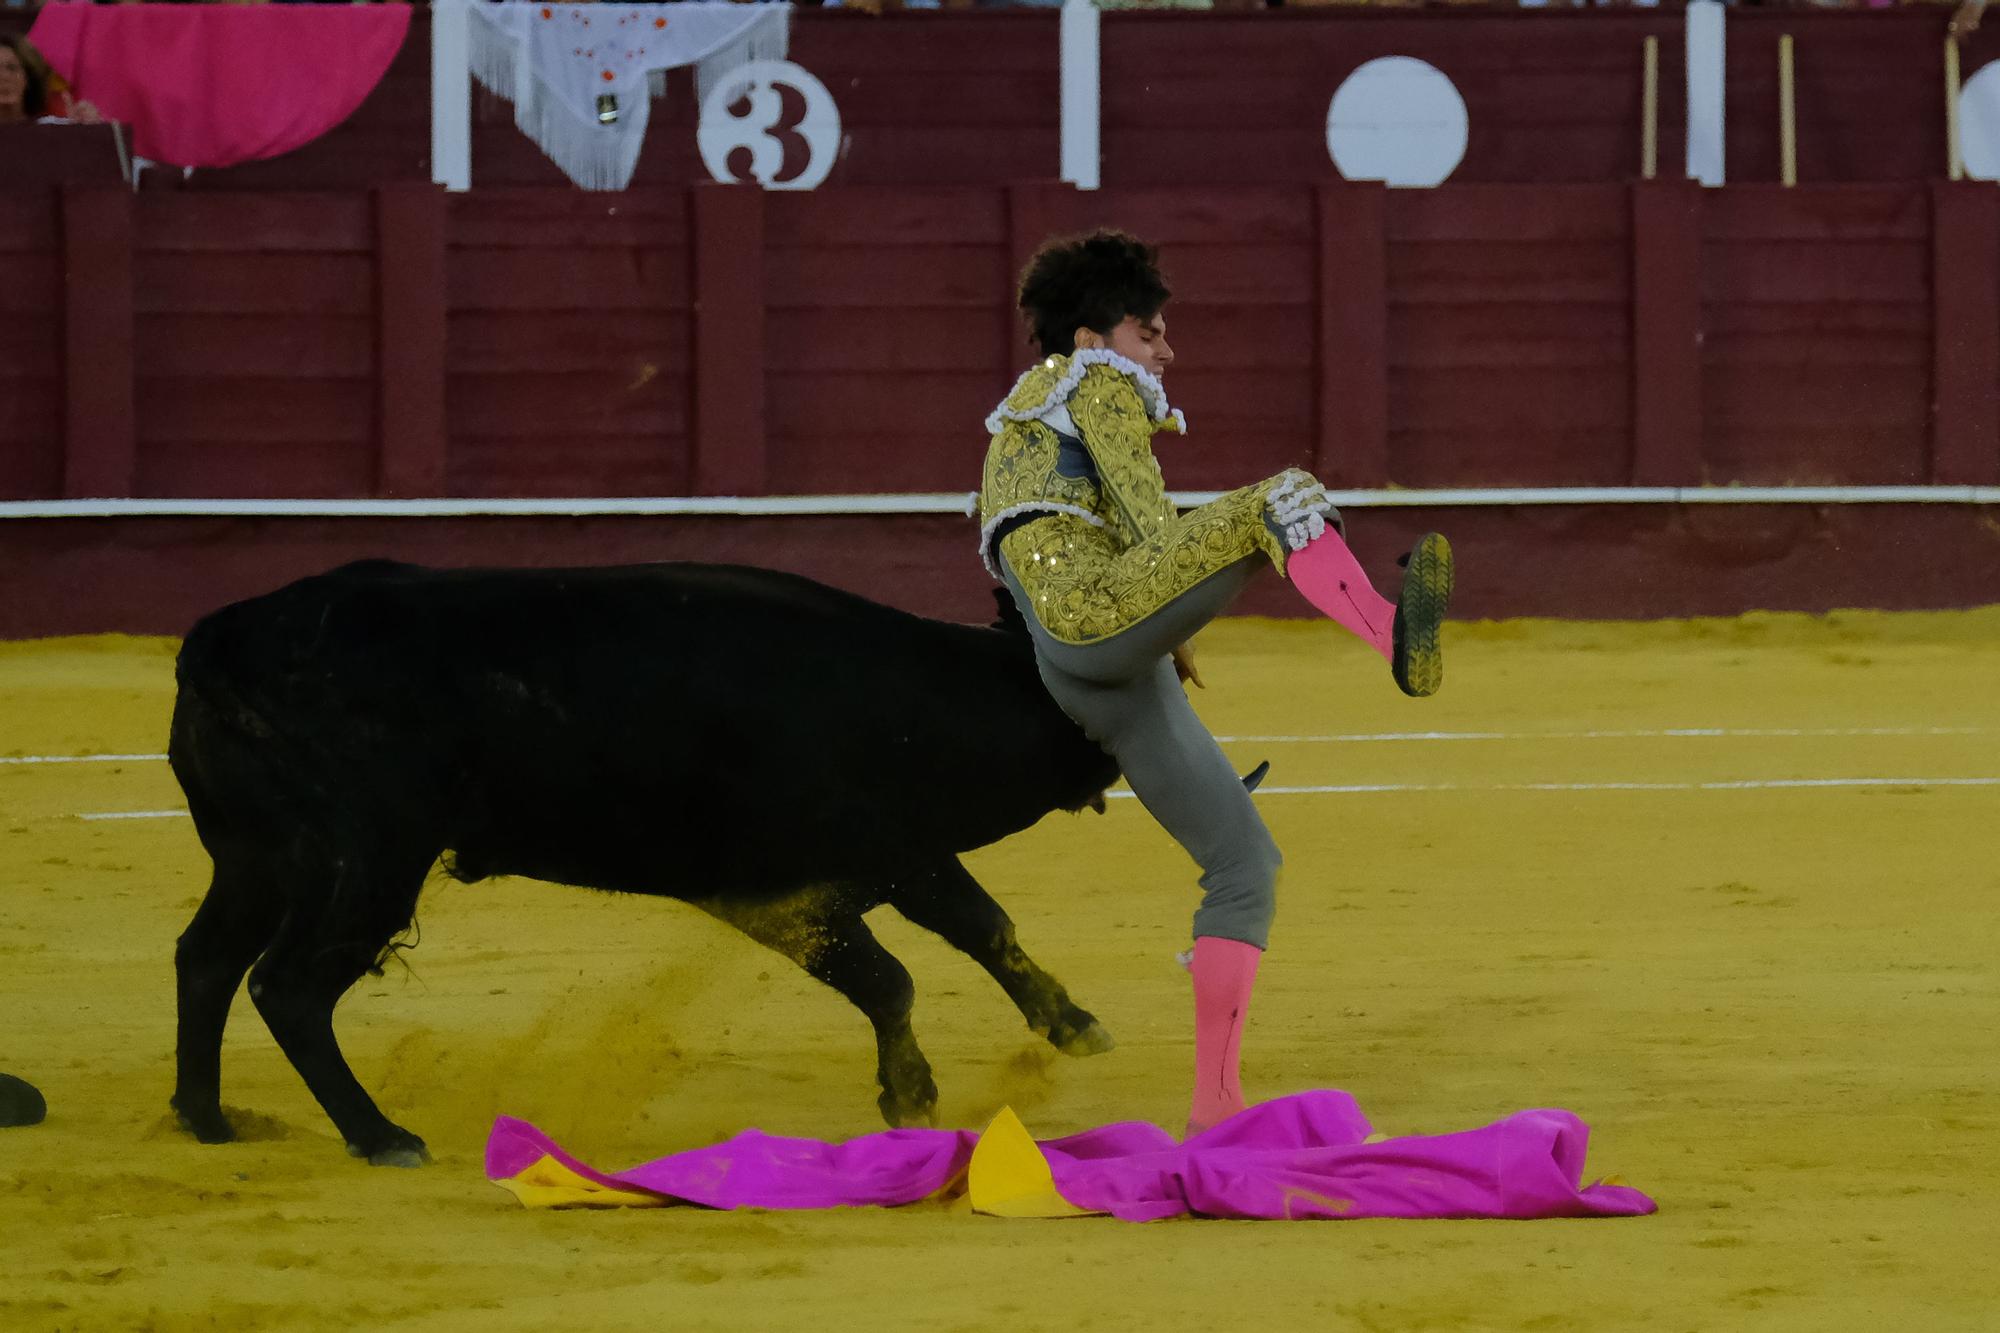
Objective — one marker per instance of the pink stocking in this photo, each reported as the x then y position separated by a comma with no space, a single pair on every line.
1224,971
1329,577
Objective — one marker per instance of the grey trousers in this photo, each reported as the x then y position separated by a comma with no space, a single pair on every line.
1124,694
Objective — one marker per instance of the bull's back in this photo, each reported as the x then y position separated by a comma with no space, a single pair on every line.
592,725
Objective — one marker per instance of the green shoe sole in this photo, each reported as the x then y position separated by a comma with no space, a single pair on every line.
1417,654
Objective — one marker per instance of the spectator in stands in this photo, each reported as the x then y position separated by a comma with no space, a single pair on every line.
32,93
1965,20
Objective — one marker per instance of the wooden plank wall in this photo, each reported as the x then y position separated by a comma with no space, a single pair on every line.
1243,97
885,349
31,345
1868,85
568,358
254,358
721,340
1510,336
1818,334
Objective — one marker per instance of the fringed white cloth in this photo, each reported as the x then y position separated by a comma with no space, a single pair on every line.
1151,392
554,61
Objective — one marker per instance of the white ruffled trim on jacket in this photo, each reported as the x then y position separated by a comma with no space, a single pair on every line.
992,525
1151,392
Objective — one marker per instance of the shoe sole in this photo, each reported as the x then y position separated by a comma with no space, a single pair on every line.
1418,659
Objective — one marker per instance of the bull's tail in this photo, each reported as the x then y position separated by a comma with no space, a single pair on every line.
267,761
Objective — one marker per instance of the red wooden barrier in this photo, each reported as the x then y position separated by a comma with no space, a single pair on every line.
410,327
1666,334
1965,276
1352,448
1602,562
570,340
1817,354
255,371
97,341
731,449
32,354
723,341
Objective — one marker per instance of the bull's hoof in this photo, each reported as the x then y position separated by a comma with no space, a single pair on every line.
206,1123
21,1102
1092,1040
909,1112
398,1148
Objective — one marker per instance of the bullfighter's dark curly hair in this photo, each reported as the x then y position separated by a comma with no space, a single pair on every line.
1090,282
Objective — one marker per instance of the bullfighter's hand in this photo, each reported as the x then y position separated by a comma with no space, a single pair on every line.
1184,666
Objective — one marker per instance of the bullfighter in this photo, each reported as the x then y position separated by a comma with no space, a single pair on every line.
1114,581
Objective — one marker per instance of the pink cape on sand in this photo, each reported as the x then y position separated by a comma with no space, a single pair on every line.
1310,1155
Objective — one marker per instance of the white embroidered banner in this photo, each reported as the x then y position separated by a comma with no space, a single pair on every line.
556,61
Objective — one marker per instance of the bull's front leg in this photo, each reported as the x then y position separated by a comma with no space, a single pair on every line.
855,964
951,903
827,937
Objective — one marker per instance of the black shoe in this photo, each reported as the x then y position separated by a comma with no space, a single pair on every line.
1416,652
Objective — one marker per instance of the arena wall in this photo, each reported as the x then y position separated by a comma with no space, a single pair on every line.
1553,96
374,336
722,341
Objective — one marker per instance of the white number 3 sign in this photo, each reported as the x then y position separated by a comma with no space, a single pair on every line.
764,130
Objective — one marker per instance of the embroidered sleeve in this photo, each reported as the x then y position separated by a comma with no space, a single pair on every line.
1024,476
1111,418
1084,587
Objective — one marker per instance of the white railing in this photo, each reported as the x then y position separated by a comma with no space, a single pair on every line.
958,502
451,96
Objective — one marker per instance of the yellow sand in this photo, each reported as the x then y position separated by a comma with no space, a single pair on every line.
1776,1008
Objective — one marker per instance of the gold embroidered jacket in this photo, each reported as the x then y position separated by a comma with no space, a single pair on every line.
1075,501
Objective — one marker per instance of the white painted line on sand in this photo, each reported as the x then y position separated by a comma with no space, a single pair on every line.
1753,784
1369,788
82,759
1675,733
1668,732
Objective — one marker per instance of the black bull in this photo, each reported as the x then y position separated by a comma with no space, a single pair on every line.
780,754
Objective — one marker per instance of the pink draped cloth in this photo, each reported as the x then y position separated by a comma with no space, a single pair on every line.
215,85
1298,1157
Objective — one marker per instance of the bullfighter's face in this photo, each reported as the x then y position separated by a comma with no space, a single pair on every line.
1143,341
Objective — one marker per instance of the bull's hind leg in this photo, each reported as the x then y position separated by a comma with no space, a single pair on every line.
235,921
320,952
950,902
825,935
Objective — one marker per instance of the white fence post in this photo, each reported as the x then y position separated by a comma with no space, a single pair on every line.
1705,76
451,96
1081,161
